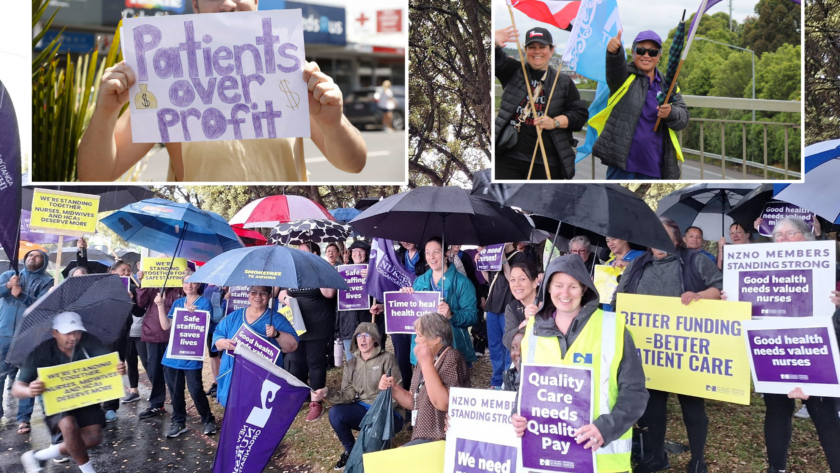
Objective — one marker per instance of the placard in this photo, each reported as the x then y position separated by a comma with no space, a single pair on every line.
217,77
81,383
786,353
480,437
423,458
694,349
491,258
402,309
238,299
256,343
156,269
606,281
126,282
791,279
356,298
64,213
292,313
188,335
775,211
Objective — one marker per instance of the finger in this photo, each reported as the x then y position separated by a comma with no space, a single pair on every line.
315,78
618,36
330,97
308,69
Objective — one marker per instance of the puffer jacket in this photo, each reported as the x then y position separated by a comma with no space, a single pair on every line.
613,144
34,284
360,382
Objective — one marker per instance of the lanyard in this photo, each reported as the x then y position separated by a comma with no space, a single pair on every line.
420,386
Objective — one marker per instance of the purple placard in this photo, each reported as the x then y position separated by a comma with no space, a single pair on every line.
356,298
125,281
238,299
779,293
556,400
188,336
775,211
481,457
401,309
255,342
792,355
491,258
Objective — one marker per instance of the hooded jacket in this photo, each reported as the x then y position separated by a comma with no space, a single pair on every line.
632,394
360,382
34,284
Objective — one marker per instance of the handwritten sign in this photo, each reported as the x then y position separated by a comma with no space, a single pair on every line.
238,299
775,211
188,337
227,76
491,258
156,269
81,383
355,298
248,338
64,213
401,309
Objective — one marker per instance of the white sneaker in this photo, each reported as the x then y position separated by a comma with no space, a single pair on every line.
30,464
802,413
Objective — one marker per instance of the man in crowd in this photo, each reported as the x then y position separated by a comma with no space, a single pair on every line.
694,241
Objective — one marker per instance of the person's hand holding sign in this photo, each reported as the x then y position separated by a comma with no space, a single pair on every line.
36,388
325,100
120,369
113,89
798,393
615,43
591,435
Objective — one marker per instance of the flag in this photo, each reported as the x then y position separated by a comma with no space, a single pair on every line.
559,13
9,177
262,404
602,96
705,6
385,273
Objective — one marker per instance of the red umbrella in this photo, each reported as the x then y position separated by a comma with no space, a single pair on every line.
270,211
250,237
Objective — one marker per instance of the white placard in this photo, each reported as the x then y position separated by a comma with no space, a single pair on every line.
480,430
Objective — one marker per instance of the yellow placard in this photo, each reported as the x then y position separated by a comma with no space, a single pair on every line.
696,349
606,281
156,269
64,213
81,383
423,458
286,311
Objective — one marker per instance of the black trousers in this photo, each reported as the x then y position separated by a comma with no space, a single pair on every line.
778,427
655,419
402,351
131,362
509,168
309,362
175,380
154,368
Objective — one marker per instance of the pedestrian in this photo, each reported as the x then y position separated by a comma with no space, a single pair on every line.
523,285
333,254
387,104
581,246
512,373
693,240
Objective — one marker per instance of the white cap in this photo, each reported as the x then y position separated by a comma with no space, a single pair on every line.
67,322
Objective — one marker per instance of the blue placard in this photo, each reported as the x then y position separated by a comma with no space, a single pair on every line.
321,24
70,42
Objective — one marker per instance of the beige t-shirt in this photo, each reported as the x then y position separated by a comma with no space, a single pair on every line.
265,160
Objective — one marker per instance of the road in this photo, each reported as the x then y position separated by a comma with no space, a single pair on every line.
690,171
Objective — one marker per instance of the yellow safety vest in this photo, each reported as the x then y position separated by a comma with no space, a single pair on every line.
600,346
600,119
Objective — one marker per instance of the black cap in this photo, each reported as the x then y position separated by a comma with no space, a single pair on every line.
539,35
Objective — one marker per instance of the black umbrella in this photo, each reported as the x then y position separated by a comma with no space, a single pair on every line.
110,197
93,267
310,230
100,299
366,202
750,206
704,206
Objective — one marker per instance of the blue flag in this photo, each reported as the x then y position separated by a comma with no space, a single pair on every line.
385,273
9,177
602,96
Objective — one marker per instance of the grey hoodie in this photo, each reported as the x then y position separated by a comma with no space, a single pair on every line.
632,394
34,285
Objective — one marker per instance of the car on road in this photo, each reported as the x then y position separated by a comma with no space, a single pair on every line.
362,109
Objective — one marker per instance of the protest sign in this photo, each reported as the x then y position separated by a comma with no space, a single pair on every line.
556,401
126,282
248,338
188,335
292,313
694,349
775,211
64,213
423,458
217,77
155,271
791,279
355,298
491,258
401,309
81,383
480,437
385,273
238,299
786,353
258,414
606,281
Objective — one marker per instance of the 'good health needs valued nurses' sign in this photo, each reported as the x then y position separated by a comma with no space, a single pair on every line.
221,76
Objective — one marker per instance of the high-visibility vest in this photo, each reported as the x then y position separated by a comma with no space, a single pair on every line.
600,346
600,119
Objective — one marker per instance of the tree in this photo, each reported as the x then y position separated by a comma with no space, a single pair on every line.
734,76
778,74
778,23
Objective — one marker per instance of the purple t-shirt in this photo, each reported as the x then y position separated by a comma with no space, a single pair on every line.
646,154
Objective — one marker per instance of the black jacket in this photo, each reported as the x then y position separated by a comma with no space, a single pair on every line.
613,144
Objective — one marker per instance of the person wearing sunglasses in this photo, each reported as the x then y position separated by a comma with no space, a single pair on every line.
627,143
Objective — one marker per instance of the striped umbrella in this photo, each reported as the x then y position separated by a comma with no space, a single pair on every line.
673,59
270,211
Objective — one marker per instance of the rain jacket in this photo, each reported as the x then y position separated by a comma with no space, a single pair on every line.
616,124
460,295
360,382
34,284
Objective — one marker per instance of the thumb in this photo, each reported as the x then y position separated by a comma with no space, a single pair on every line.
618,36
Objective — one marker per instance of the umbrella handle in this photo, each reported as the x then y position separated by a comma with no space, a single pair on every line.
174,255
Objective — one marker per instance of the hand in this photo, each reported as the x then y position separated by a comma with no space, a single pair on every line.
531,310
423,354
139,275
386,382
689,296
758,222
227,296
817,228
478,253
547,123
113,88
835,298
318,395
16,291
81,243
13,281
722,242
229,344
121,368
591,435
377,309
505,35
443,309
723,295
190,307
130,295
36,387
519,424
271,332
663,110
159,299
407,290
615,43
797,393
619,263
283,296
364,273
325,99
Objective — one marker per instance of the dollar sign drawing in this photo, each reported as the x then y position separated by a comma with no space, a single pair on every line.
292,97
145,99
146,102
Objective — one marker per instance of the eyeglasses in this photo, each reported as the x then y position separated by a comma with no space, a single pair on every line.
789,234
332,251
362,335
581,251
258,294
652,52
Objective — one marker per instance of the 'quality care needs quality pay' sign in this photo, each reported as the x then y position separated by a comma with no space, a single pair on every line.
225,76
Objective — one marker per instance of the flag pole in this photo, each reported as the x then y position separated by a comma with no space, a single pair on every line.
530,96
697,19
539,132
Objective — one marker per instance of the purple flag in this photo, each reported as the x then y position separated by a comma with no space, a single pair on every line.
700,11
27,234
9,177
385,273
262,404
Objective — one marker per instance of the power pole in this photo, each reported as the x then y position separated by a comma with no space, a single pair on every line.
730,15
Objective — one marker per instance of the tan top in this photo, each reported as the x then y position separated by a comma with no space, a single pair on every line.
265,160
453,372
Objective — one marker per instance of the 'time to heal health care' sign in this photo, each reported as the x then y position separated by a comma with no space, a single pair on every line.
221,76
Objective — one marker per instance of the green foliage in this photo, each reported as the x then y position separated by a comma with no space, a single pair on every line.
778,23
822,69
734,76
778,74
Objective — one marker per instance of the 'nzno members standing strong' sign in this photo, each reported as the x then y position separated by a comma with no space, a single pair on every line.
221,76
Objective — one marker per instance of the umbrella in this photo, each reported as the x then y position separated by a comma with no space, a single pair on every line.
129,256
68,254
250,237
366,202
100,299
306,231
821,195
704,206
344,214
750,206
673,58
269,211
110,197
269,265
173,228
375,431
93,267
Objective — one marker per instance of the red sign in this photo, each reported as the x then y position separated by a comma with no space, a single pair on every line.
389,21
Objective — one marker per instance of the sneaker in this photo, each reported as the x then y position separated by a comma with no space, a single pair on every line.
61,459
209,427
802,413
212,391
342,461
151,412
30,464
315,411
651,464
110,416
697,466
176,430
131,397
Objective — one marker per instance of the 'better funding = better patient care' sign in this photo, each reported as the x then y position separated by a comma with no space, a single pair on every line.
221,76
